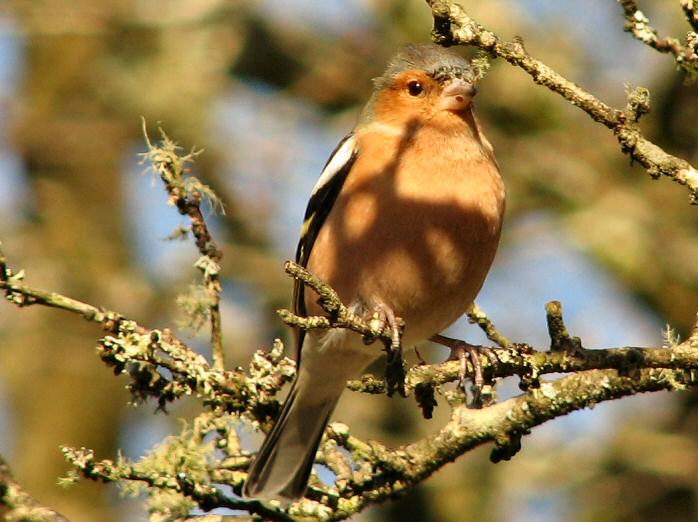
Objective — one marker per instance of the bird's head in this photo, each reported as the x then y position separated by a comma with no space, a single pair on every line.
421,82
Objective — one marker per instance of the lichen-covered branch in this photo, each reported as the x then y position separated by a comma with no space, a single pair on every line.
338,315
188,470
637,23
143,353
187,194
21,295
453,26
536,363
477,316
196,483
18,505
204,466
393,471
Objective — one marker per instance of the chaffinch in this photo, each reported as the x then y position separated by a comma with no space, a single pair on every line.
404,220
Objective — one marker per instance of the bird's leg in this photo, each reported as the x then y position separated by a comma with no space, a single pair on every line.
382,316
422,362
391,321
462,352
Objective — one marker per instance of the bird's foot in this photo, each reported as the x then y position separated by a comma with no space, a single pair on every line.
464,352
382,316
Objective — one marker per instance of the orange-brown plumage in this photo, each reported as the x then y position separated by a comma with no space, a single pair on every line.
420,215
413,228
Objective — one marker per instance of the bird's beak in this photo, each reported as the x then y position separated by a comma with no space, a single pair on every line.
457,95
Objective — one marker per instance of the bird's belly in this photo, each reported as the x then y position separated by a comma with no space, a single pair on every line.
416,233
427,270
430,280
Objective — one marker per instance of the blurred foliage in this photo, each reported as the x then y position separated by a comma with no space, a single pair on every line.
91,68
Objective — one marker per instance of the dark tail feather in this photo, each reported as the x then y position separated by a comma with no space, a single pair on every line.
284,462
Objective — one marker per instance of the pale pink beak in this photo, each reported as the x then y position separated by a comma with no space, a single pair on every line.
457,95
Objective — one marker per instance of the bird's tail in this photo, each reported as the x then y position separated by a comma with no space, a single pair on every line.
282,466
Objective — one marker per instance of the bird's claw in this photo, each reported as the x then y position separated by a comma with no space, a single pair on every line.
381,317
464,352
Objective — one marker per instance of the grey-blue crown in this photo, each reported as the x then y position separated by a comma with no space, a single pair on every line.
437,62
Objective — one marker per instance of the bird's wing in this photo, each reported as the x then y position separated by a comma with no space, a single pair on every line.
324,194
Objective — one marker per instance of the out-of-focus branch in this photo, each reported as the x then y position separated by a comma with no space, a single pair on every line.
690,9
637,23
453,26
187,193
19,504
23,295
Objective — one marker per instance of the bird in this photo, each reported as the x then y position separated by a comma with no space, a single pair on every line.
404,221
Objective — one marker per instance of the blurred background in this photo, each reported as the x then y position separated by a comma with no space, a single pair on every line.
267,88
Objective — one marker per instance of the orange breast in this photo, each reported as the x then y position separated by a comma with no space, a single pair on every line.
415,229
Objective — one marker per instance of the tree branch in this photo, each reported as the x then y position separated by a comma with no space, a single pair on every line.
187,194
453,26
376,472
338,314
22,295
20,505
142,353
201,491
690,9
504,423
637,23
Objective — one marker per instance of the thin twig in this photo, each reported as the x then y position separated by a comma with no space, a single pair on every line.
23,295
690,9
187,195
339,316
477,316
637,23
560,339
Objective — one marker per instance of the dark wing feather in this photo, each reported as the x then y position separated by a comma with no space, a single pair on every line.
321,201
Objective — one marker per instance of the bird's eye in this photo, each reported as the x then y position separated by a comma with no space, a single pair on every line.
415,88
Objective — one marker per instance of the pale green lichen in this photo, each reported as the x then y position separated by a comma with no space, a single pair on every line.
208,266
548,390
480,65
193,185
195,305
670,337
